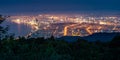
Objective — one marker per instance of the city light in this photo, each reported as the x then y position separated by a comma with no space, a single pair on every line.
75,25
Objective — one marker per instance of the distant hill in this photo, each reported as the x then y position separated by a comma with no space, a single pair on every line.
103,37
69,38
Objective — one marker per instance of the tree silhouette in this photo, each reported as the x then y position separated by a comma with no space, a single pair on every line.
3,30
115,42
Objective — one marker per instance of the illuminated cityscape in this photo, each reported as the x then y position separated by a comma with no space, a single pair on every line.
46,25
59,29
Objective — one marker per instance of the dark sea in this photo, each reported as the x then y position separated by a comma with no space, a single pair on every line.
17,29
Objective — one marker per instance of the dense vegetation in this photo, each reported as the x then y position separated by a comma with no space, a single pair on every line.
52,49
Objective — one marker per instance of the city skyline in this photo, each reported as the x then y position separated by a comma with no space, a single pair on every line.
64,25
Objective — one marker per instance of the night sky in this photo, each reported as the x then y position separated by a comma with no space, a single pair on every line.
39,6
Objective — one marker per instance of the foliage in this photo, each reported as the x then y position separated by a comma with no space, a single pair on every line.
3,30
51,49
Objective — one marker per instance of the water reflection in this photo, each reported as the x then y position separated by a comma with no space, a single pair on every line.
17,29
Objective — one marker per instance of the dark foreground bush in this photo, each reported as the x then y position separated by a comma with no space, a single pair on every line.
51,49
